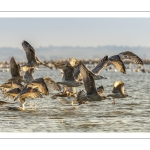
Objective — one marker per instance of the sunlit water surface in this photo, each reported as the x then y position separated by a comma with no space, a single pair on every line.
130,114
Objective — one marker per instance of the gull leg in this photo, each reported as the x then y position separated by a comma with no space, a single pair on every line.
72,104
114,102
75,107
23,105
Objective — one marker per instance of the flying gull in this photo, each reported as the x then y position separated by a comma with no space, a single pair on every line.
26,93
33,61
117,61
89,84
68,75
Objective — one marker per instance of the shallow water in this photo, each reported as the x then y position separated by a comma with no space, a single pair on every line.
128,115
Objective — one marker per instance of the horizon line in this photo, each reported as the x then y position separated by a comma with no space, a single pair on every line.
80,46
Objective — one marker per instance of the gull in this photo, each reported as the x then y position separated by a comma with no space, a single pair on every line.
68,96
68,75
33,61
27,78
117,61
13,93
26,93
67,92
118,91
94,73
43,84
17,78
15,71
12,85
89,84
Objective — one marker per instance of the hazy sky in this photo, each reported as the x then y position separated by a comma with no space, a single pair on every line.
74,31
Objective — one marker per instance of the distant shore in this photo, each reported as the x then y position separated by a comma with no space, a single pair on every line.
5,64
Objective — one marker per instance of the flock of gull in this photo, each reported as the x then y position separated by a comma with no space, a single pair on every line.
74,74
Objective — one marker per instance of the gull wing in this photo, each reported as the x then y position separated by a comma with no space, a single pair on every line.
41,63
76,72
67,71
40,85
13,92
118,63
88,80
30,93
129,56
14,68
100,65
52,84
30,52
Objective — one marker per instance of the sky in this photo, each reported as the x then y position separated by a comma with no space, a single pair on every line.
75,32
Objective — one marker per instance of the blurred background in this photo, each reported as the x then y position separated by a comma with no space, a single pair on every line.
82,38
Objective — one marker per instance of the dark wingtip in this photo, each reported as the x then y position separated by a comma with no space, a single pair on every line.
25,43
106,57
12,58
